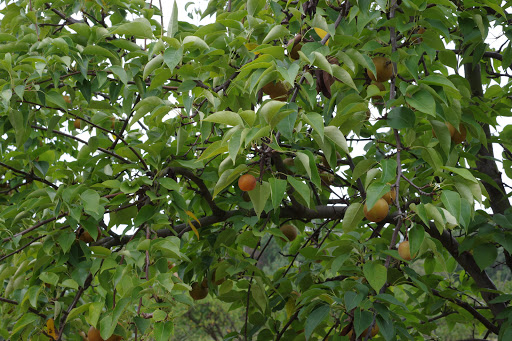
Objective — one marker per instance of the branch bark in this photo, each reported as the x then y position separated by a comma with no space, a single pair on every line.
468,263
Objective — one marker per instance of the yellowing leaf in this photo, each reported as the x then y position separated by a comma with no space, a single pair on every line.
194,229
191,215
251,46
50,328
321,33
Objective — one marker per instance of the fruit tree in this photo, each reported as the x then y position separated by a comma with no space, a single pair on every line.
149,164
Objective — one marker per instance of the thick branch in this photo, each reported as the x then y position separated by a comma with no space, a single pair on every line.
202,187
320,212
29,176
472,311
468,263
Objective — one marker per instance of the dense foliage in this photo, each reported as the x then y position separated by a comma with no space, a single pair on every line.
122,144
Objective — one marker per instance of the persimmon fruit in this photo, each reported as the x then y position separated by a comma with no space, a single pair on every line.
384,69
277,91
86,237
247,182
94,335
418,40
77,123
289,161
390,196
289,231
456,136
198,292
296,44
378,212
459,136
327,178
404,250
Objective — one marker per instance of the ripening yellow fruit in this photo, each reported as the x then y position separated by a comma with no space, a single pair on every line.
198,291
459,136
247,182
277,91
404,250
390,196
378,212
296,44
384,69
77,123
289,231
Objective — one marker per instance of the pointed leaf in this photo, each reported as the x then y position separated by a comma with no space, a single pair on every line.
376,274
276,32
353,216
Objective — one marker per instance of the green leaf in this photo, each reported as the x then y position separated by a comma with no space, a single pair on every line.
374,192
276,32
152,65
322,62
95,50
144,215
353,216
227,177
435,79
452,201
466,174
277,190
119,72
164,330
389,167
254,6
139,28
94,312
270,109
225,117
172,27
401,117
434,213
432,39
335,135
422,101
317,122
485,255
259,196
361,168
302,189
443,135
91,203
315,318
341,74
25,320
416,236
259,295
195,43
78,311
57,98
376,274
170,184
362,320
172,56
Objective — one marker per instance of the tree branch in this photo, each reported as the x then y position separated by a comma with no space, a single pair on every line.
468,263
29,176
493,328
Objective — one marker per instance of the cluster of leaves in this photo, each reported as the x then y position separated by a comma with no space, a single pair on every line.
169,120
